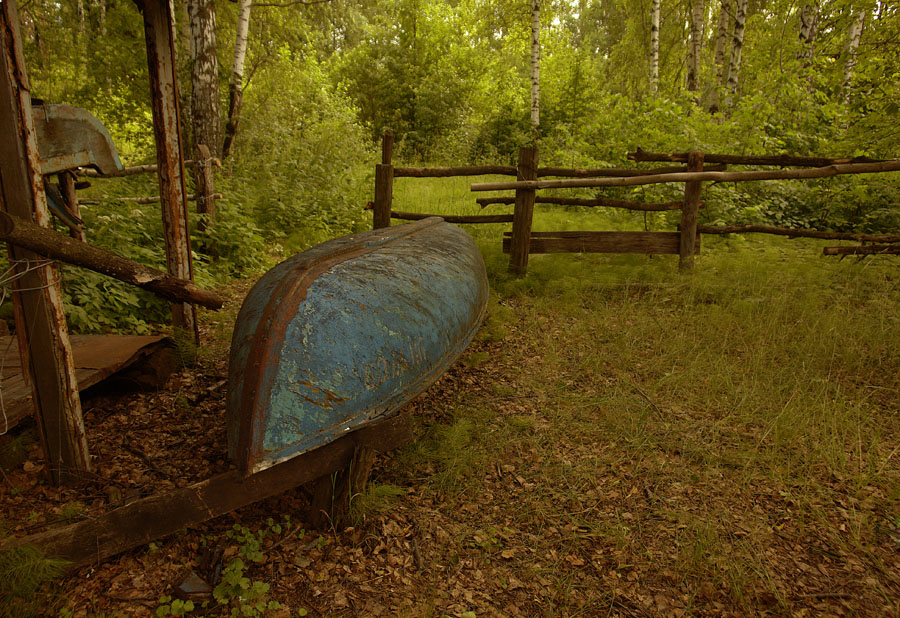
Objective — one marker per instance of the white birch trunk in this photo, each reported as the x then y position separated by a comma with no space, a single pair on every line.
236,89
654,46
204,75
854,35
693,65
536,67
737,44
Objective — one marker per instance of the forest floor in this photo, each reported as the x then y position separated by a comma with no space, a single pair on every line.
619,440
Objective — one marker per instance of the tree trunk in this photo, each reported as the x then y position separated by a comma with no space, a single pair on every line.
737,44
857,20
654,46
693,65
236,90
535,68
204,75
809,27
719,59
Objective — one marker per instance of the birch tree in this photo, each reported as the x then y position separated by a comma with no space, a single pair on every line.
854,35
809,27
737,44
654,46
693,64
535,68
721,46
235,91
204,75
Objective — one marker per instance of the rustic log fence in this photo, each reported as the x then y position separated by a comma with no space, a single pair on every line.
700,167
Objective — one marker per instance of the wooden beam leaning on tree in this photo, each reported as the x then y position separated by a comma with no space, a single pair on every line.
50,243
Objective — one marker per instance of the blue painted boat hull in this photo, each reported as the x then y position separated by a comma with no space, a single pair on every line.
346,333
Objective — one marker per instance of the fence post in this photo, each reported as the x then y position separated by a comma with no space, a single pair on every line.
44,347
524,212
384,184
689,212
158,33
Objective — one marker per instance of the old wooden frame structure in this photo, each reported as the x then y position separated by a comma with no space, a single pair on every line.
40,321
520,242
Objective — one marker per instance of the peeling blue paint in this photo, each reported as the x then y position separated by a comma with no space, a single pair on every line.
382,315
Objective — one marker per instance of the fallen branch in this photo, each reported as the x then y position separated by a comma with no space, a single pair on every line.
795,233
780,160
818,172
146,200
52,244
133,170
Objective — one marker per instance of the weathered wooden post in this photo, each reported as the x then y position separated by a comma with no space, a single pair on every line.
689,214
524,211
44,344
159,25
384,184
66,181
205,194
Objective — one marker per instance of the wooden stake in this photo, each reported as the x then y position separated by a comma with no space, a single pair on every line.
67,189
40,321
384,184
159,35
689,214
524,212
334,493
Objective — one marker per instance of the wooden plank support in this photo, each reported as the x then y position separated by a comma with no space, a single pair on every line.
524,212
159,34
66,182
647,243
44,343
415,216
795,233
782,160
863,250
689,214
590,202
384,184
801,174
50,243
93,540
332,494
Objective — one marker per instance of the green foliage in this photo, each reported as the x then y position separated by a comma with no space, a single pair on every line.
23,571
173,607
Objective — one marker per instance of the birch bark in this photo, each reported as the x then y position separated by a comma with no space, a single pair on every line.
536,67
693,68
737,45
654,46
204,75
236,89
854,35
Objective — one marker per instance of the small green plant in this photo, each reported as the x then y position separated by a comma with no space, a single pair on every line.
173,607
374,499
22,572
245,596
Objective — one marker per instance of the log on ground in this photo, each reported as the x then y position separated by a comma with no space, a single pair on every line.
93,540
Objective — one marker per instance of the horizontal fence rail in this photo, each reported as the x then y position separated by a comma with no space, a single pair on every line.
581,201
642,156
818,172
652,243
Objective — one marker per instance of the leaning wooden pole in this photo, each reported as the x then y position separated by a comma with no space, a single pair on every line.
801,174
524,212
46,352
384,184
689,214
159,34
50,243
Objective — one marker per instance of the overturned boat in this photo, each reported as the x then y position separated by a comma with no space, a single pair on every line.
346,333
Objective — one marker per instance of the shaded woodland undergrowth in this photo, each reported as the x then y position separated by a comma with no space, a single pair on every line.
619,440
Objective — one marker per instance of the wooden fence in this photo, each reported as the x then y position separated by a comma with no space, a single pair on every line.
699,167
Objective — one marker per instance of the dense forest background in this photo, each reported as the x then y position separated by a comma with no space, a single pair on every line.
322,79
